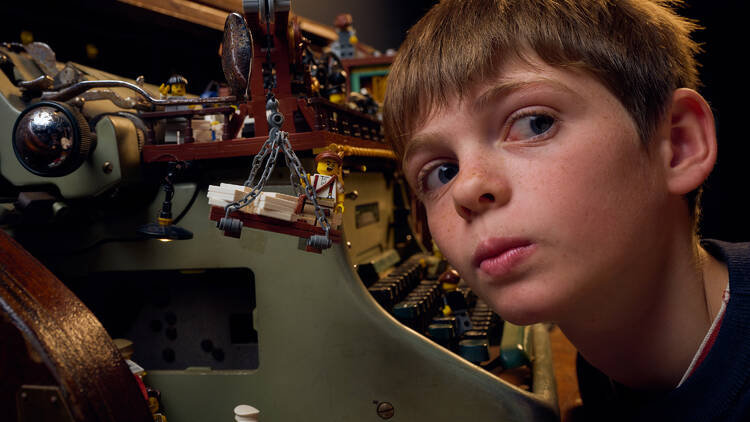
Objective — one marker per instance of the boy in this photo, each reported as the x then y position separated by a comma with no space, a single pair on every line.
559,149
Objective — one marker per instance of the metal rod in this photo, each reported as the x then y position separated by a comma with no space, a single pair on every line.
83,86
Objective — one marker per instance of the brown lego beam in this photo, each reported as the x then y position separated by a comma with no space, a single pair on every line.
296,228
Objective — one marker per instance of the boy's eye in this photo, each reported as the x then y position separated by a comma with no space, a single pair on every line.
527,127
438,176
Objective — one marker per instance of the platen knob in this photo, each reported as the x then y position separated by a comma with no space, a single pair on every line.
51,139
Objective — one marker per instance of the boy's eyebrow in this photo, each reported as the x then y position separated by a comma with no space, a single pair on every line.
505,87
414,144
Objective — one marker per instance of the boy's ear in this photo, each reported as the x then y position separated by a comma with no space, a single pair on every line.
689,148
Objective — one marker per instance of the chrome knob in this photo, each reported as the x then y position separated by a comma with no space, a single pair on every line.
51,139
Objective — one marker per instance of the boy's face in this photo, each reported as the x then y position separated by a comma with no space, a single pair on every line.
540,192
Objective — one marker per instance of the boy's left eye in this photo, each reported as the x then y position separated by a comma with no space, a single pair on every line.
436,176
530,126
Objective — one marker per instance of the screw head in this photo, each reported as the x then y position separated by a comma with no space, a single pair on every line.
107,167
385,410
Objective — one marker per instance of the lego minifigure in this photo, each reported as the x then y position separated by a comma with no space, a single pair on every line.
363,102
336,86
454,302
217,129
154,405
344,46
176,86
449,280
327,181
328,187
331,77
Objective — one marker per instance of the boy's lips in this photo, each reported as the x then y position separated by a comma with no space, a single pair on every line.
498,256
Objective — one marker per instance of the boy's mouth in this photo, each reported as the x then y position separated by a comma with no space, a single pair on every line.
498,256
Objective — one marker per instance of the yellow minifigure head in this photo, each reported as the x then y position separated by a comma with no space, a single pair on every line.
329,163
176,86
153,400
153,404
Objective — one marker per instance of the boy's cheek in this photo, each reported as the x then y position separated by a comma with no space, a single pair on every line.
445,226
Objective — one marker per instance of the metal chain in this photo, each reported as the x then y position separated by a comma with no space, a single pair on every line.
274,137
278,139
294,180
309,190
258,160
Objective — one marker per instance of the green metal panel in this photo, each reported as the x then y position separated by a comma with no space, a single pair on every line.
328,351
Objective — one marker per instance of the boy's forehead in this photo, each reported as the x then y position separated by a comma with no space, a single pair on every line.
522,70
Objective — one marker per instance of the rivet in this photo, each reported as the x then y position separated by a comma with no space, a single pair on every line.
107,167
349,245
385,410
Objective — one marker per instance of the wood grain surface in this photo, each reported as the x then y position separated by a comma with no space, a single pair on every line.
62,334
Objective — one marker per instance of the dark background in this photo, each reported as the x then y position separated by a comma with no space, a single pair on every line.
133,41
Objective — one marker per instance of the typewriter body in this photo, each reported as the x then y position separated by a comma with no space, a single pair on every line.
218,321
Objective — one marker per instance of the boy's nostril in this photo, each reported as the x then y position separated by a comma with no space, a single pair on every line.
487,197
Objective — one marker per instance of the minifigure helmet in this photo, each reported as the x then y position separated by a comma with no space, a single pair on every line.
450,276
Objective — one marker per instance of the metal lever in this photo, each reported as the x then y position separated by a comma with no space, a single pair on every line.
265,8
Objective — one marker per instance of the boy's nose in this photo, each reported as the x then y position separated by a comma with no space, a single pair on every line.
476,191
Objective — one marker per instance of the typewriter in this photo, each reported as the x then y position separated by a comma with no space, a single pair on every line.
372,328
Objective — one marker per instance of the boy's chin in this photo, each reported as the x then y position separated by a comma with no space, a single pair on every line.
521,318
525,303
524,311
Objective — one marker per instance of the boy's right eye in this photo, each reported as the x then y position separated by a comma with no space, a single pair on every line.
434,177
